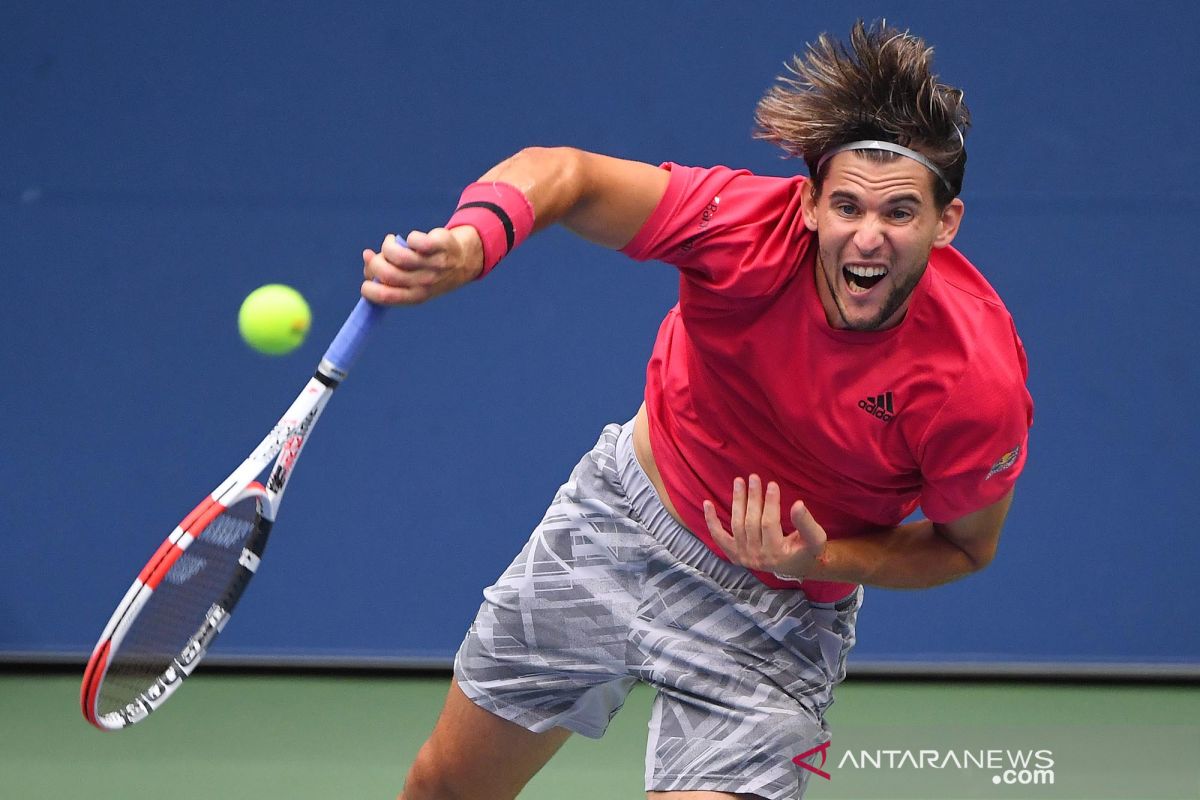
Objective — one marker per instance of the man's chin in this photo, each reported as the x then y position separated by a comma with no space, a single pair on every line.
857,316
863,325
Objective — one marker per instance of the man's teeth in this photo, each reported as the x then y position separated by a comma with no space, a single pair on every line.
865,272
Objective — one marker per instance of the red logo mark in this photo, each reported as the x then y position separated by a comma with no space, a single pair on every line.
291,450
800,762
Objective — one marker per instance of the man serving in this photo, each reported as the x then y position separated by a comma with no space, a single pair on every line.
832,365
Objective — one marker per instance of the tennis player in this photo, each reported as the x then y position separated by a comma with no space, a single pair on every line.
832,365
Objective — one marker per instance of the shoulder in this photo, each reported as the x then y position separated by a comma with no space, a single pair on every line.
729,230
981,360
964,284
720,174
968,318
707,193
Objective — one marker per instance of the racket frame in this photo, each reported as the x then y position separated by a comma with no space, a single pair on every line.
283,446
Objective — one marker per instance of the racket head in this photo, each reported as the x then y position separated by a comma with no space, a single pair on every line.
179,603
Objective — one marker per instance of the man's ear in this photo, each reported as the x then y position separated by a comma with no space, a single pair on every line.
808,205
947,227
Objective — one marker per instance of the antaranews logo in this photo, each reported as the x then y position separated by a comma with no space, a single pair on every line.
941,757
801,760
1008,767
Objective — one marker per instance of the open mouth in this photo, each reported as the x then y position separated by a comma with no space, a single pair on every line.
861,279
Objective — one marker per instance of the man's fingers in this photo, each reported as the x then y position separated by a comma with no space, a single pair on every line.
384,295
723,538
430,243
737,514
397,252
388,273
421,242
811,534
772,530
756,538
754,512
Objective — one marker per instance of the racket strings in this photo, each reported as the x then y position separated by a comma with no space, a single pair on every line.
184,610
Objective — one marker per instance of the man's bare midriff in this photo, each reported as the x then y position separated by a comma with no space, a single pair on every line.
645,457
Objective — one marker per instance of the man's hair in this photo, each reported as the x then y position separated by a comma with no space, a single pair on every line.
882,87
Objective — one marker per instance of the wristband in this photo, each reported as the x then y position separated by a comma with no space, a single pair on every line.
501,214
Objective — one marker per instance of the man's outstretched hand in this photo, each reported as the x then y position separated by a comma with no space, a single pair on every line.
757,540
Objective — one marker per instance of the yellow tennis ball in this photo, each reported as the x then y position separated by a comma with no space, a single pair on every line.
274,319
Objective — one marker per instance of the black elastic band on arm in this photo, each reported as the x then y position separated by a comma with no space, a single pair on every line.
510,233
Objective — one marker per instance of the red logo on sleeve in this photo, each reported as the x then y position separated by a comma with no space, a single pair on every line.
1006,461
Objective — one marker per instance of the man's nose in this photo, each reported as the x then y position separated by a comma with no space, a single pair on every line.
868,236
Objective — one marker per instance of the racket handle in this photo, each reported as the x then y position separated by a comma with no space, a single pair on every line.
348,343
345,347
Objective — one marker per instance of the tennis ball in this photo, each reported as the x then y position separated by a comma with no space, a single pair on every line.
274,319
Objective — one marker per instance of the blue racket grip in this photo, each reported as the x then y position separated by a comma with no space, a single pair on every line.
344,349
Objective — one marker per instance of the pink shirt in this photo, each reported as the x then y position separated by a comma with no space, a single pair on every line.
747,375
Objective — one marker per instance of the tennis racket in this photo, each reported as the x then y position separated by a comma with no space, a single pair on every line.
186,593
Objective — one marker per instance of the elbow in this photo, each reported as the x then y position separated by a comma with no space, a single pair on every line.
974,552
551,177
978,558
538,160
552,153
980,562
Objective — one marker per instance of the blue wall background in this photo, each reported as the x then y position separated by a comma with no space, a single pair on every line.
159,163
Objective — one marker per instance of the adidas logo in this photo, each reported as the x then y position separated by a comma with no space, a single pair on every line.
880,406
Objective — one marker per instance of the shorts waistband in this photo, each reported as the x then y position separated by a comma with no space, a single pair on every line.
647,507
649,510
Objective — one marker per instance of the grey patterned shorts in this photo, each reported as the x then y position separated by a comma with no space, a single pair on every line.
611,590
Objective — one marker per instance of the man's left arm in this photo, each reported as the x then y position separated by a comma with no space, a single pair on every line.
915,555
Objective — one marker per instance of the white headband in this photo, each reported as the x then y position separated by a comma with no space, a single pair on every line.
872,144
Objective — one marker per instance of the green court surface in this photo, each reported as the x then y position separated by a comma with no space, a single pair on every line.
291,736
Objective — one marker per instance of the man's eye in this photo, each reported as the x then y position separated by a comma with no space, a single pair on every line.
902,214
846,209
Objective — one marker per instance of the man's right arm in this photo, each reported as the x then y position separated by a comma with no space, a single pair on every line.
605,200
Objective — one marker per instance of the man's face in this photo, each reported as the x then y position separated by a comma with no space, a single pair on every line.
876,224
